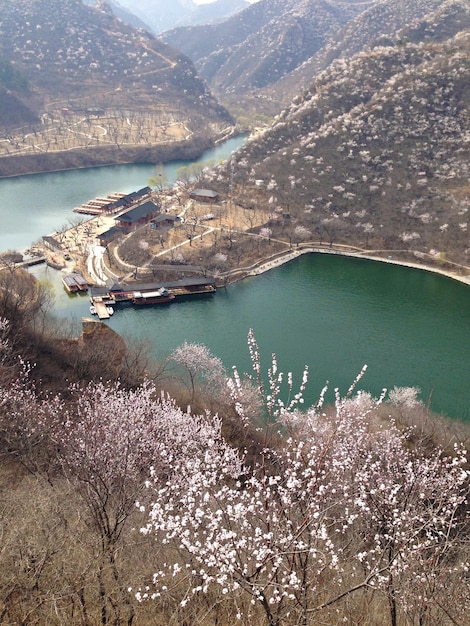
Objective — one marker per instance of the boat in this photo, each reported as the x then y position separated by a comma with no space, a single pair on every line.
160,296
93,310
75,282
110,310
55,265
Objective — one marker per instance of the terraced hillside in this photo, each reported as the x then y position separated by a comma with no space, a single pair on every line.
75,77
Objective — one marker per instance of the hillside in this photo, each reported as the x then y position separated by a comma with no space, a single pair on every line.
123,14
377,25
76,77
259,59
375,153
263,43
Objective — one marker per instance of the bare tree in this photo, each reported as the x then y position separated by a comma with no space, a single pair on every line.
24,302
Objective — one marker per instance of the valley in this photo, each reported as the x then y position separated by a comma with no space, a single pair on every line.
187,461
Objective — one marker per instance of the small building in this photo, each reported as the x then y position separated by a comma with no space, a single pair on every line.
204,195
75,282
128,200
165,220
140,193
51,243
109,235
118,204
138,216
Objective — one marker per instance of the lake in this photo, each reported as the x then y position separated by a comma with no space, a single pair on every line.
411,328
36,205
333,313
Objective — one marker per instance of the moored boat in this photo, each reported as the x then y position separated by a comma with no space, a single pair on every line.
75,282
55,265
160,296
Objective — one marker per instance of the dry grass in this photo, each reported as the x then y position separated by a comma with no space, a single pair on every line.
71,131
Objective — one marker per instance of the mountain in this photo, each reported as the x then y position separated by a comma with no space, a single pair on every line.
75,76
259,59
263,43
14,95
123,14
377,24
161,15
375,152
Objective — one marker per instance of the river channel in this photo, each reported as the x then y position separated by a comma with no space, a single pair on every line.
410,327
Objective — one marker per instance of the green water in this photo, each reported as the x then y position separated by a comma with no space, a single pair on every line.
333,313
37,205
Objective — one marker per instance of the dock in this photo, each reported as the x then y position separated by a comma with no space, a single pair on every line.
29,262
187,287
114,202
101,309
88,210
99,205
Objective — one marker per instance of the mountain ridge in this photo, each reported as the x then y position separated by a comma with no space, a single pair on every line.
375,152
160,17
376,26
268,39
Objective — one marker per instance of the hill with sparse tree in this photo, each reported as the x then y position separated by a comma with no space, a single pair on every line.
375,152
258,60
81,88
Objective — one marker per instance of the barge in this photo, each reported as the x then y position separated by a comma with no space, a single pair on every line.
152,293
160,296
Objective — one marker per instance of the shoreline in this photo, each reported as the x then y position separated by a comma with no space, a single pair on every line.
281,259
90,158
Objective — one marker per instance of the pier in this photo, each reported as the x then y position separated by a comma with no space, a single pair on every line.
140,293
114,202
98,206
101,309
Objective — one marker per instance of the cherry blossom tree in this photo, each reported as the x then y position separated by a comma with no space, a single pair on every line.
338,505
25,417
5,350
412,512
266,233
334,496
405,397
103,439
107,439
301,233
201,367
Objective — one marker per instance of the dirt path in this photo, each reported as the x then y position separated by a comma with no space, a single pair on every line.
280,259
